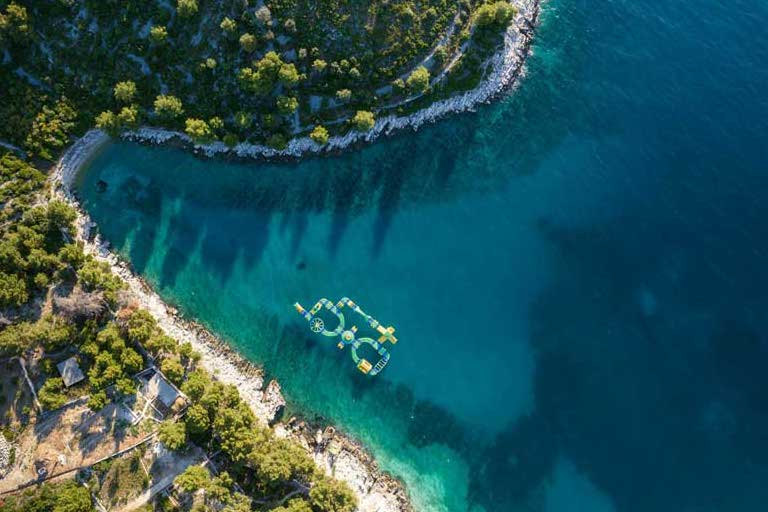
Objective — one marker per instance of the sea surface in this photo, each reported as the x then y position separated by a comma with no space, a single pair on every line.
578,274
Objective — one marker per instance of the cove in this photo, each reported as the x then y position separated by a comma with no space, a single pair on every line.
577,274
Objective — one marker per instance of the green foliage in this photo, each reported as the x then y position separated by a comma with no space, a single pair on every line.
172,369
168,107
343,95
108,122
125,92
248,42
197,420
97,400
14,23
172,435
50,497
16,338
50,129
141,326
186,8
18,180
319,135
13,291
96,275
50,395
192,479
267,73
495,14
287,105
158,34
199,131
330,495
277,141
228,25
294,505
195,385
363,120
418,81
319,65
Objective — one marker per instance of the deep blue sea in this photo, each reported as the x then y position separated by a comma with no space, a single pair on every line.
578,274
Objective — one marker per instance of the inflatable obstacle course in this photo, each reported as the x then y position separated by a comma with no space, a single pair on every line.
348,337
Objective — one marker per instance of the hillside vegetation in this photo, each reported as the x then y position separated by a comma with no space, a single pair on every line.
233,70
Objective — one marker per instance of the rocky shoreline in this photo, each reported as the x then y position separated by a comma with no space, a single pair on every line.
334,452
506,67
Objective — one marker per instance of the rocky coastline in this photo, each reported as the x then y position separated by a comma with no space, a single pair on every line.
506,68
334,452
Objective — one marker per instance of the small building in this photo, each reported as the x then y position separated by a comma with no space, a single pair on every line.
70,371
159,391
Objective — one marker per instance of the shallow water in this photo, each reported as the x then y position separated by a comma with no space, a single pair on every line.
576,274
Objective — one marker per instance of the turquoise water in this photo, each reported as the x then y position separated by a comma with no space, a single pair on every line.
577,274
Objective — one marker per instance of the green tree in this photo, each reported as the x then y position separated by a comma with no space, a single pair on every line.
13,291
319,135
108,122
288,75
498,13
158,34
168,106
343,95
195,385
294,505
141,325
172,369
98,400
14,23
319,65
50,394
160,344
125,91
248,42
243,120
229,26
172,435
287,105
199,131
418,82
72,497
192,479
363,120
96,275
329,495
186,8
197,420
128,117
50,129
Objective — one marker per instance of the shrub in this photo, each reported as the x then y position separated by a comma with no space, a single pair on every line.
363,120
125,92
418,82
186,8
172,435
168,107
199,131
319,135
287,104
248,42
158,34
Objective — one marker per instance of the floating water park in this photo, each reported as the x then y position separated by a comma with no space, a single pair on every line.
348,337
